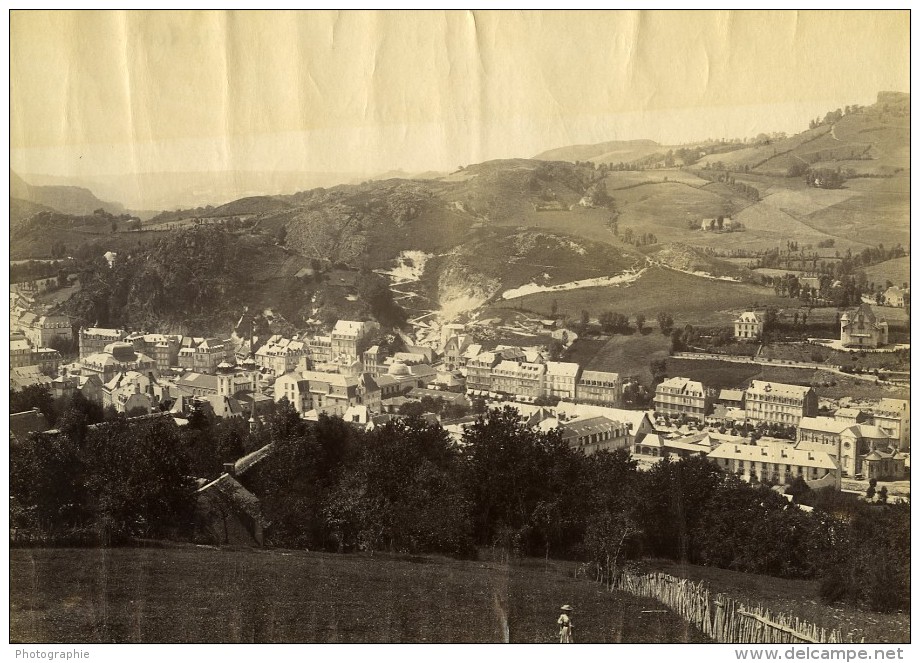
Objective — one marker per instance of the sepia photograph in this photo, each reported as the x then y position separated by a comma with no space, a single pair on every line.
460,326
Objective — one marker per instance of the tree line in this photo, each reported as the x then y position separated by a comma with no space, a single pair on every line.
409,487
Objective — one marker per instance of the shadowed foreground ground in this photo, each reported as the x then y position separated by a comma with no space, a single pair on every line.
191,594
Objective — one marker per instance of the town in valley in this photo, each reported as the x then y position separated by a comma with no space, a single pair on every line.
662,384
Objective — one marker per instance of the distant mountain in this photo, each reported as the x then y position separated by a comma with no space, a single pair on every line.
66,199
20,210
175,190
613,151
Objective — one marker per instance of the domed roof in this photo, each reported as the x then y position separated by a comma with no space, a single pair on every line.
101,359
398,368
121,351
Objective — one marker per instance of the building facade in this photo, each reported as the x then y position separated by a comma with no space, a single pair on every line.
863,329
777,463
599,388
676,396
561,380
94,339
775,402
749,326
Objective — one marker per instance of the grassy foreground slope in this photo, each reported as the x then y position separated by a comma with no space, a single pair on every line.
192,594
796,597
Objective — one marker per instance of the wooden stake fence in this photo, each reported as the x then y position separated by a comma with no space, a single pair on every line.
721,617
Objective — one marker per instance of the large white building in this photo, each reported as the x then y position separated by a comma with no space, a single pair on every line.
863,329
561,379
281,355
599,388
748,325
519,378
777,462
348,339
329,393
682,396
775,402
893,416
846,442
94,339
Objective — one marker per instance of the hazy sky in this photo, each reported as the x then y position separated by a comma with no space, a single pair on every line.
122,92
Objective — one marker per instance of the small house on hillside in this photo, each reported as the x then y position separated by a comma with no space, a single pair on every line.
863,329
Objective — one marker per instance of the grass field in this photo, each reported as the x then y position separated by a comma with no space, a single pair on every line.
689,299
626,355
192,594
797,597
896,270
734,375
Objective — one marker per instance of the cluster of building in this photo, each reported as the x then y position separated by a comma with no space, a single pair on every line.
871,443
526,376
354,372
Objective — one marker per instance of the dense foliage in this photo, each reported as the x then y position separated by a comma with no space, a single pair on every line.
409,487
188,279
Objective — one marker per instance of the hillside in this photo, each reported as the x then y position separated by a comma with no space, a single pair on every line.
198,594
530,225
616,151
689,260
21,210
66,199
896,270
872,140
869,145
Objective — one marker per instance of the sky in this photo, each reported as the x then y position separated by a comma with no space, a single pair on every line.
96,93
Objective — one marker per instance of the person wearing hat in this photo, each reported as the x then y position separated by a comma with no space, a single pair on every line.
565,625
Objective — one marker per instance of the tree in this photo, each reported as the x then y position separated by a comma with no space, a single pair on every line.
298,478
883,494
640,322
402,493
612,323
139,480
665,323
285,422
555,349
34,396
512,468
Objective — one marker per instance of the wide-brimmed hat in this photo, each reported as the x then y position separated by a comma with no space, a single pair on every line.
567,607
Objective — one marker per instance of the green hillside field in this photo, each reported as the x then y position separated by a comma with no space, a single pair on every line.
204,595
896,270
689,299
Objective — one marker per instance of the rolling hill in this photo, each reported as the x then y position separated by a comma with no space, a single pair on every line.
491,227
66,199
